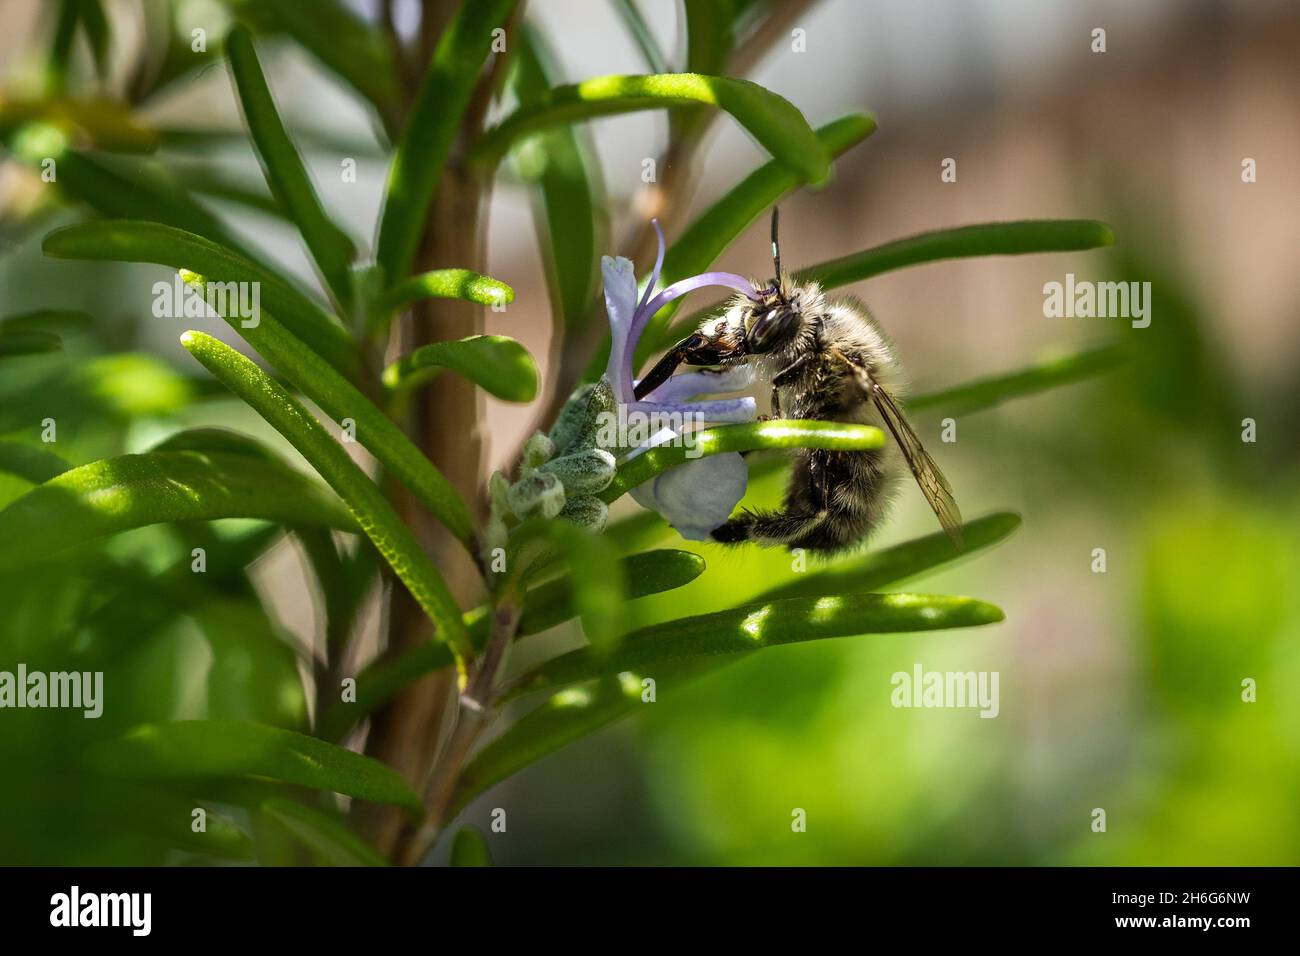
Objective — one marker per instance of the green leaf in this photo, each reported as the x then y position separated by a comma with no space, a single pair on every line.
314,377
65,33
29,463
1048,374
545,606
448,284
431,129
709,36
714,230
574,712
749,437
374,514
216,749
14,342
346,43
767,624
148,192
117,494
569,209
564,717
285,172
984,239
133,241
95,24
469,849
329,839
777,125
641,35
597,595
496,363
877,569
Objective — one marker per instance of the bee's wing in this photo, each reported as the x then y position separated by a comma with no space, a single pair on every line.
933,484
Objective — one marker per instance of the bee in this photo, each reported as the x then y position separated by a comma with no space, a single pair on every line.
826,359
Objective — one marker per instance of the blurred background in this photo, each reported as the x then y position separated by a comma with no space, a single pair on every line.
1120,690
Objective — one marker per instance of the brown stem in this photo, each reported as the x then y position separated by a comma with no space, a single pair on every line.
445,419
477,704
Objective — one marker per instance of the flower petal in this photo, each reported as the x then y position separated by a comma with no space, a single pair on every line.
621,305
688,385
698,496
659,265
727,411
675,291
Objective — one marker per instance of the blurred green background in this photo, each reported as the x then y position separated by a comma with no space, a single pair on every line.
1119,690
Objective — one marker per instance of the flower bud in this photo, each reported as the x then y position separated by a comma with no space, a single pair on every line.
587,512
539,495
583,472
537,451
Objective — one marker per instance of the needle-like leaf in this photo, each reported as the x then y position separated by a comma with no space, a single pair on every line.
772,120
310,373
374,514
496,363
199,749
750,437
116,494
431,129
134,241
285,172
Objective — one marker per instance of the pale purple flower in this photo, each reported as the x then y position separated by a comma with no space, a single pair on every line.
697,496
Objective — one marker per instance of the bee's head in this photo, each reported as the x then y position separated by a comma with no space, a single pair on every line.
772,321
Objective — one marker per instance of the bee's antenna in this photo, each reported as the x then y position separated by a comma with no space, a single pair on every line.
776,244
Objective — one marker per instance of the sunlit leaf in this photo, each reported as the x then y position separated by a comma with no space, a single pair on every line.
498,364
117,494
134,241
345,42
995,389
285,172
570,207
768,624
198,749
984,239
393,539
312,375
777,125
545,606
877,569
756,435
431,129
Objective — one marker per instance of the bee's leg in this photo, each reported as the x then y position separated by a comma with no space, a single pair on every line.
782,379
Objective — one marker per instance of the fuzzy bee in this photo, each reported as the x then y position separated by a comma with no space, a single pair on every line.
828,360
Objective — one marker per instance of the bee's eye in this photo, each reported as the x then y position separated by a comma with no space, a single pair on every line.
767,330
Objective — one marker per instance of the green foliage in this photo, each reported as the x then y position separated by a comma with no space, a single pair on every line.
284,169
372,511
497,363
199,749
116,531
770,119
116,494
